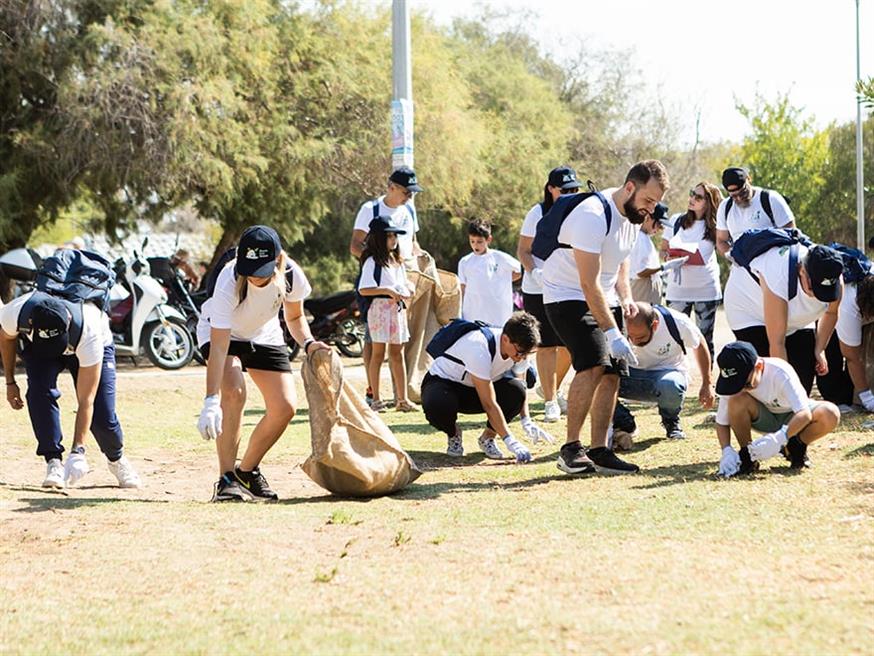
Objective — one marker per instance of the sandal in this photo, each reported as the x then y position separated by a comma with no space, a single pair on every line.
406,406
379,406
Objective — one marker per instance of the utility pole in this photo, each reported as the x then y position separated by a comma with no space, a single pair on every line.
402,87
860,171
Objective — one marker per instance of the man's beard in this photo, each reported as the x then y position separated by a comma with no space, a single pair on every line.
632,213
744,197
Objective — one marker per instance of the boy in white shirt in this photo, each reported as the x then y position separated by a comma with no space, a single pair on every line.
765,394
487,276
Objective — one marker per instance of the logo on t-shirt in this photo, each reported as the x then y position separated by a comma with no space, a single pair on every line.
256,253
774,403
757,216
664,350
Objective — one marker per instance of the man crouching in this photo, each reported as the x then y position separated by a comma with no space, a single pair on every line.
765,394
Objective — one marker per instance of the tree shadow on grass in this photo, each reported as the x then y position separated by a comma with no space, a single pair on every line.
424,428
434,490
865,450
676,475
643,445
36,505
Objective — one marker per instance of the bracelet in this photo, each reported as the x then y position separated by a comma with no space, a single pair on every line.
306,344
12,383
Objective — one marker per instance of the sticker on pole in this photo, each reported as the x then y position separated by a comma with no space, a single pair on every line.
401,132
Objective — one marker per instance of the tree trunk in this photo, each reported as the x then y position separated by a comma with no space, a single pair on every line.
229,239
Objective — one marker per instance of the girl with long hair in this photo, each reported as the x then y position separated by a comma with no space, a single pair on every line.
695,285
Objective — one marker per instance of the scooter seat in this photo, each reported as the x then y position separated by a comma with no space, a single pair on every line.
325,305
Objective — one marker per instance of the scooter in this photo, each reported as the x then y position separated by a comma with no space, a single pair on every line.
333,319
141,320
179,296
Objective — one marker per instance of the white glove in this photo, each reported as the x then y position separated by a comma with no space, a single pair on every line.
75,468
866,398
210,422
768,445
537,275
522,454
619,347
676,263
534,432
729,465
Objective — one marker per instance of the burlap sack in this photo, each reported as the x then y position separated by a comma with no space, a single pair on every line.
354,452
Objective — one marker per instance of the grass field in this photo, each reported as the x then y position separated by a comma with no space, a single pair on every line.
475,557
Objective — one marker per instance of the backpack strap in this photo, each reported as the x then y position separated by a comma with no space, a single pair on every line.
766,205
671,325
608,213
678,223
490,340
793,271
375,208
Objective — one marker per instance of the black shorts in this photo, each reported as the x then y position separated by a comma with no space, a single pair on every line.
578,330
262,357
533,304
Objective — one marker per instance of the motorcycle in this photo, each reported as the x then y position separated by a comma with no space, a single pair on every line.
333,319
141,320
179,296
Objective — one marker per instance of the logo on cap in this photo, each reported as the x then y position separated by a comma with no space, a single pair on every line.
47,333
728,373
828,283
256,253
568,178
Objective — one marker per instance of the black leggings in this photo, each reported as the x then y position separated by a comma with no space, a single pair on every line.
799,350
443,400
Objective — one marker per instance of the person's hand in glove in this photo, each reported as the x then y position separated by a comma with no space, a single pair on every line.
675,263
768,445
534,432
620,348
522,454
729,464
76,466
210,422
866,398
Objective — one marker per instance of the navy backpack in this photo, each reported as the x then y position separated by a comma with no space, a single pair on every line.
546,237
856,264
753,243
77,276
453,331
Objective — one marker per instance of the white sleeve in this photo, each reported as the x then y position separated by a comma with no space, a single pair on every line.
529,225
89,350
511,263
9,317
796,397
849,318
586,229
300,286
721,218
223,300
782,212
773,269
475,355
368,279
462,275
722,411
365,216
692,337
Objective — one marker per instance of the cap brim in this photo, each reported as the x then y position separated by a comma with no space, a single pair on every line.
45,349
396,231
571,185
255,270
825,293
728,386
415,187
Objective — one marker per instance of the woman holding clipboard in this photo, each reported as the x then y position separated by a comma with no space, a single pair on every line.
696,283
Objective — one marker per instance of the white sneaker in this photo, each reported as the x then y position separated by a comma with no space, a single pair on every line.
562,402
125,473
490,448
54,474
454,446
75,468
551,411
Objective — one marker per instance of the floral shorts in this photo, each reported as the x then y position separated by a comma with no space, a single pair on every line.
387,322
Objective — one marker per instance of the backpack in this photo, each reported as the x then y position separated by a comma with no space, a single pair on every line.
453,331
753,243
77,276
227,256
671,325
765,197
364,302
546,237
857,266
25,324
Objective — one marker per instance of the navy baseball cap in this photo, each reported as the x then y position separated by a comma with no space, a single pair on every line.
257,252
736,362
824,266
384,224
563,177
660,214
50,328
734,176
406,178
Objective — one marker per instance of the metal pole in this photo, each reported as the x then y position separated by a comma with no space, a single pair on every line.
402,87
860,181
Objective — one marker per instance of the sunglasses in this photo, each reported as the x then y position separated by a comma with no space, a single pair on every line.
694,194
737,191
572,190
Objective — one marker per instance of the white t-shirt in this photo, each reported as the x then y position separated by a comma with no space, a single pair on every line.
402,216
779,390
585,229
693,282
663,352
488,286
752,217
254,320
392,277
473,350
644,255
529,229
849,318
96,334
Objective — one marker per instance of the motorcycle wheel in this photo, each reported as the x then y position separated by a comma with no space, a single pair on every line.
170,348
352,343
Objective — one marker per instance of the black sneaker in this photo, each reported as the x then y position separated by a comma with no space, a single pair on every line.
572,459
795,452
227,489
607,462
747,464
255,485
673,431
